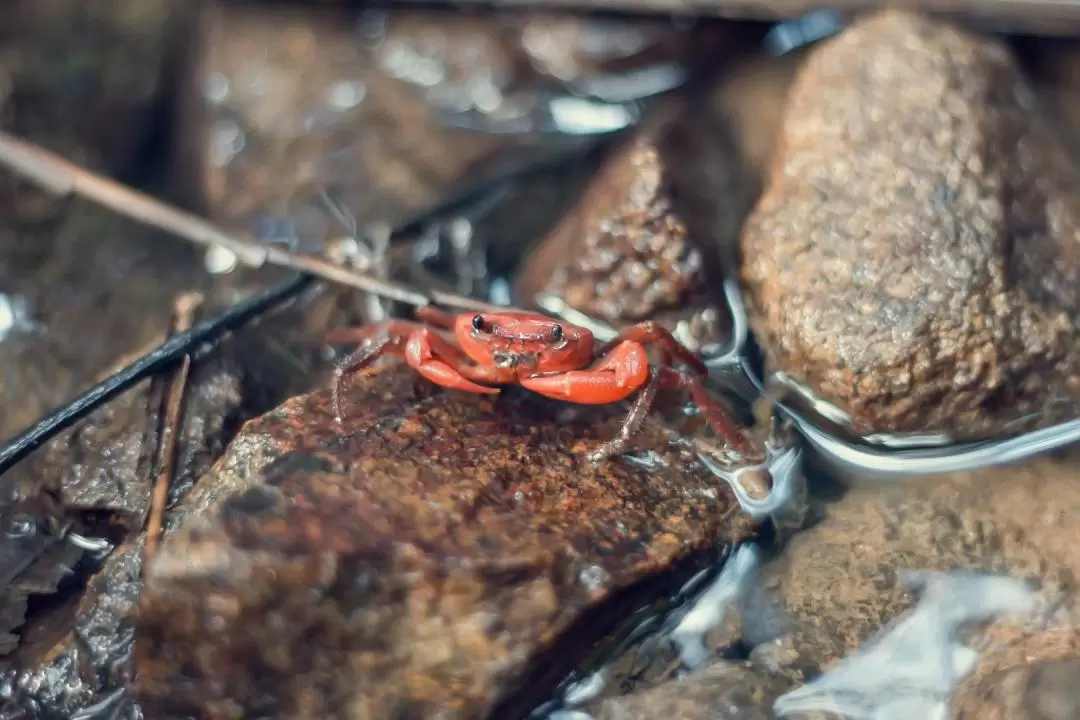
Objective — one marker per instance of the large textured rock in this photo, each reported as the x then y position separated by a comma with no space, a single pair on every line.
644,241
914,259
437,553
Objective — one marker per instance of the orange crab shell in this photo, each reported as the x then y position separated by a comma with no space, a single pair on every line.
534,343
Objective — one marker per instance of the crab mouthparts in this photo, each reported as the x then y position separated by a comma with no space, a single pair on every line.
508,360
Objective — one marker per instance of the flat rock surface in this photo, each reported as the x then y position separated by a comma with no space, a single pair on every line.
913,260
452,553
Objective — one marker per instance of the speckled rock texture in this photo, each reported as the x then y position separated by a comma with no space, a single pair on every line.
839,582
644,240
1029,675
436,554
914,259
722,690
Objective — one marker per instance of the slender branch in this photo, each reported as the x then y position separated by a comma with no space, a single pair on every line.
183,316
64,178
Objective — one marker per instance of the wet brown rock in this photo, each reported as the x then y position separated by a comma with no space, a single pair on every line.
1023,675
720,690
79,656
838,581
285,102
33,559
914,258
100,466
73,318
103,464
86,291
567,47
437,552
644,240
106,460
454,60
74,649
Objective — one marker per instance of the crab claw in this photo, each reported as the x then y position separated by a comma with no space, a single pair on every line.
440,373
584,387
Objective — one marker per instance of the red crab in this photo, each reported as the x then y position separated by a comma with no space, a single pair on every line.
543,355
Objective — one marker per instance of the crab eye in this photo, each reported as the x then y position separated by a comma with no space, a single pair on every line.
557,333
478,322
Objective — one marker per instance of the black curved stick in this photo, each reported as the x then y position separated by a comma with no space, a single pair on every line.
169,352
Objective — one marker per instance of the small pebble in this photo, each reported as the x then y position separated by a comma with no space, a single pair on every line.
220,261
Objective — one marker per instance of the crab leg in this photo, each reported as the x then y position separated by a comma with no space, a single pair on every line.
715,413
650,332
387,342
661,377
638,412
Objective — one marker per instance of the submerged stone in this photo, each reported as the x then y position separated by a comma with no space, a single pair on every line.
720,690
1027,674
283,103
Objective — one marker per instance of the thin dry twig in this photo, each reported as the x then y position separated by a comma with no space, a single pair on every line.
64,178
184,315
